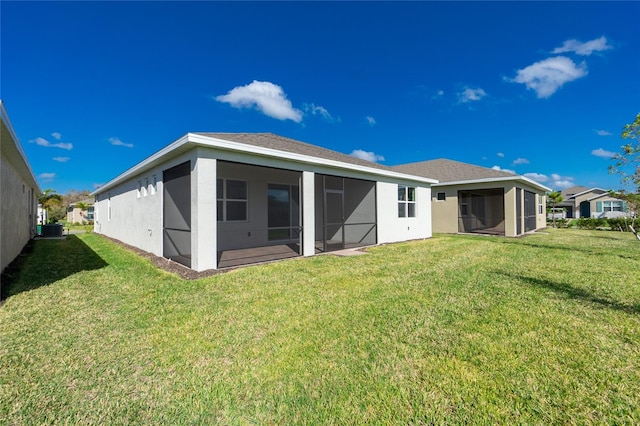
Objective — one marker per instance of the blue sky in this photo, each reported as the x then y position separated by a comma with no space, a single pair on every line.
541,89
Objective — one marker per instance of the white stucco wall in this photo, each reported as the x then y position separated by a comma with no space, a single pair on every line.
18,204
392,228
136,216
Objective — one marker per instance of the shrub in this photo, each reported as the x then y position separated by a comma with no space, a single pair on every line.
621,223
591,223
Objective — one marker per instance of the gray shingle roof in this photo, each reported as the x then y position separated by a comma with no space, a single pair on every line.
450,171
272,141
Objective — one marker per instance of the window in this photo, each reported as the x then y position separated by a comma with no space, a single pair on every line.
540,205
232,200
109,207
441,196
90,213
146,185
612,206
406,201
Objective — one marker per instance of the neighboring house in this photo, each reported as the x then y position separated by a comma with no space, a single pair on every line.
474,199
212,200
584,202
76,215
18,195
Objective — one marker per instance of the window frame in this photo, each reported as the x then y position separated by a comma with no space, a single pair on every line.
225,200
444,197
612,206
404,201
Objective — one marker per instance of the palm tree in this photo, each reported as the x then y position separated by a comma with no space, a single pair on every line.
49,199
554,198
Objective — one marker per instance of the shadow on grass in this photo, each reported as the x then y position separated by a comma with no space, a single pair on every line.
576,293
45,261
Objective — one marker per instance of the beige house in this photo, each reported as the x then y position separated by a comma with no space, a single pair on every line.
584,202
18,195
473,199
76,215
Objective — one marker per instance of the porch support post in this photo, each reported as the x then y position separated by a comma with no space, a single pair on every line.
308,214
204,226
510,212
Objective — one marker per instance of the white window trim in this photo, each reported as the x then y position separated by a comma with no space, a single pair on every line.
224,200
406,202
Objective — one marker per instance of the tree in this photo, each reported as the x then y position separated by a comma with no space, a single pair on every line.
627,165
554,198
50,200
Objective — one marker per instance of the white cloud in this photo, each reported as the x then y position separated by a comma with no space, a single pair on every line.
603,133
118,142
370,120
549,75
555,181
43,142
471,95
561,182
366,155
500,154
440,93
46,177
503,170
61,159
520,161
318,110
603,153
584,49
266,97
56,135
538,177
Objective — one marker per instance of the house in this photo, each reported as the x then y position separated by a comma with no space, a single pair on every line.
213,200
584,202
18,194
474,199
76,215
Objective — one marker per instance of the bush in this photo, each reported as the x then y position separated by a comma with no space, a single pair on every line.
621,223
591,223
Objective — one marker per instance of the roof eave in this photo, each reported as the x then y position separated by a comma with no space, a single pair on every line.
16,142
301,158
223,144
588,190
496,179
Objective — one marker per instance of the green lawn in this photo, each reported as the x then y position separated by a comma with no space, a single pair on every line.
452,330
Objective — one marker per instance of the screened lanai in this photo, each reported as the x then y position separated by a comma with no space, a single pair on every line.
345,213
259,213
481,211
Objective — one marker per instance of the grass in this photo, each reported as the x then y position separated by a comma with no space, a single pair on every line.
451,330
